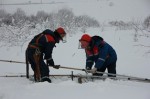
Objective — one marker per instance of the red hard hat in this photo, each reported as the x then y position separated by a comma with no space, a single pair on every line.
60,30
85,37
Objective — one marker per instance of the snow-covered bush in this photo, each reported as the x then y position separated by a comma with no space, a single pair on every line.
147,23
121,25
17,28
19,18
5,18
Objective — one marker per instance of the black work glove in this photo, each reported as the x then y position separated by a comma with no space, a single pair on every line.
56,66
50,62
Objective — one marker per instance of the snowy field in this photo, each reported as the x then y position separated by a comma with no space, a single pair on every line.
133,59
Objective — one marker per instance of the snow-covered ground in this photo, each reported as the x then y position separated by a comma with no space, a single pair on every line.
133,59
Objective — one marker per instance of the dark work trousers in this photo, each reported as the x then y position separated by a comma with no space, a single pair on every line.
110,68
44,69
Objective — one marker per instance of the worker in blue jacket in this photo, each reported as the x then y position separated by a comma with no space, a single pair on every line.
100,53
39,49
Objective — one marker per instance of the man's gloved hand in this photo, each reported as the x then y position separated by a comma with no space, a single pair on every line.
50,62
92,70
88,68
56,66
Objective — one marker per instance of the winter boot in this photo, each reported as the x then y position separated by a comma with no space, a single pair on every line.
46,79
